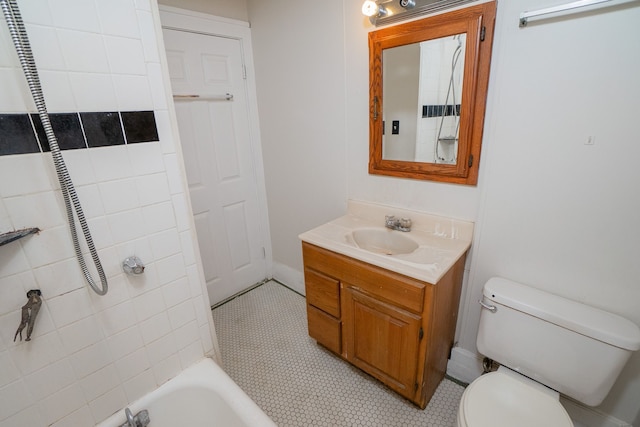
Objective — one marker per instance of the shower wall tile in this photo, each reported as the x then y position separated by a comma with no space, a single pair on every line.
147,33
36,12
111,163
132,92
52,245
107,404
102,129
132,364
90,356
15,97
50,379
75,14
92,204
45,47
155,328
125,342
154,73
81,417
147,159
165,244
8,57
93,91
56,88
25,174
80,334
16,135
166,369
102,240
26,211
100,382
127,225
125,55
69,308
165,132
118,18
61,403
119,195
158,217
139,385
94,56
16,397
90,359
67,129
153,189
28,417
143,5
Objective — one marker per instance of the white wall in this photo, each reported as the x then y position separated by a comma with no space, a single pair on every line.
234,9
89,356
299,62
549,210
556,213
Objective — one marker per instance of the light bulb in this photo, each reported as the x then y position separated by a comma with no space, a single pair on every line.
370,8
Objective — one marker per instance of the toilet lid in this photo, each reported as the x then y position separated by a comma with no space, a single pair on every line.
497,399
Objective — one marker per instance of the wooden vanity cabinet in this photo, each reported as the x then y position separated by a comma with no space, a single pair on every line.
397,329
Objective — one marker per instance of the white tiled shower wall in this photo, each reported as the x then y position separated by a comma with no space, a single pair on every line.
89,355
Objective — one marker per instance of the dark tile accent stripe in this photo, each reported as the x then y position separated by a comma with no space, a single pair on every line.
102,129
440,110
75,130
16,135
66,127
139,126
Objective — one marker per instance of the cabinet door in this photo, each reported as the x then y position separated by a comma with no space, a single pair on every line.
382,340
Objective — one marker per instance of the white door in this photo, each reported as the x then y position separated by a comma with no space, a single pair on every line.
216,145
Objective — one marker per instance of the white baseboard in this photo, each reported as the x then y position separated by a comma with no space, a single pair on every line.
590,417
466,366
289,277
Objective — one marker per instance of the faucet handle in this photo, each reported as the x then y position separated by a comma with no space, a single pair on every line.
405,223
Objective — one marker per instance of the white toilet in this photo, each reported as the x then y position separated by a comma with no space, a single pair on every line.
546,345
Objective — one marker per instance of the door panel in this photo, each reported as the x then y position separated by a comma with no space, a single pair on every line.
216,146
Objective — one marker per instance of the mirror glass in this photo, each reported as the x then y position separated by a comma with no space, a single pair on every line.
428,83
422,100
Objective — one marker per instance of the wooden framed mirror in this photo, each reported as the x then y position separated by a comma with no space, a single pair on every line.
428,85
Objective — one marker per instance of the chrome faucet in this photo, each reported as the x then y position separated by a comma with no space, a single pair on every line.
400,224
141,419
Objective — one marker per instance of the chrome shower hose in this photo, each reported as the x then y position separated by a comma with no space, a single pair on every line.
23,48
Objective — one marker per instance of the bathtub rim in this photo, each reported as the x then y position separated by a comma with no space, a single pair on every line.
207,374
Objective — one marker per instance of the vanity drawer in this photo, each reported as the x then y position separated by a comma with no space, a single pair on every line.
325,329
400,290
323,292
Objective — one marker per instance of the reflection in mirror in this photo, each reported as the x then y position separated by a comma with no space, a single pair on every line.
423,108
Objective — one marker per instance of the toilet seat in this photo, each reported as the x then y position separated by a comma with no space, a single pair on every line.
501,399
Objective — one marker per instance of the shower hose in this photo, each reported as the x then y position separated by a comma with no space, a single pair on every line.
23,48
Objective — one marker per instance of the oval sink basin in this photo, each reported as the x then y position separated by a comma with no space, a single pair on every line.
383,241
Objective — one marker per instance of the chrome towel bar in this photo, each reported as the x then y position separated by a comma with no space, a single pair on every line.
225,97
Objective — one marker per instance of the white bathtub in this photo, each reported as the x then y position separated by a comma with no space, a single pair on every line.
202,395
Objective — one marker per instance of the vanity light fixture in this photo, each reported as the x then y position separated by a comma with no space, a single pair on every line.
407,4
382,12
373,10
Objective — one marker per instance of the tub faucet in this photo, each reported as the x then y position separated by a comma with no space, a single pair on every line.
400,224
141,419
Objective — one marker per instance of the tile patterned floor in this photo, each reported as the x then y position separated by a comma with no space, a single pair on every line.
267,351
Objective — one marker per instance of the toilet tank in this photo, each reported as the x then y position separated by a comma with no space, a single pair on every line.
572,348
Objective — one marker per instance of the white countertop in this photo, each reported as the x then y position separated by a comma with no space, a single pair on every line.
442,241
